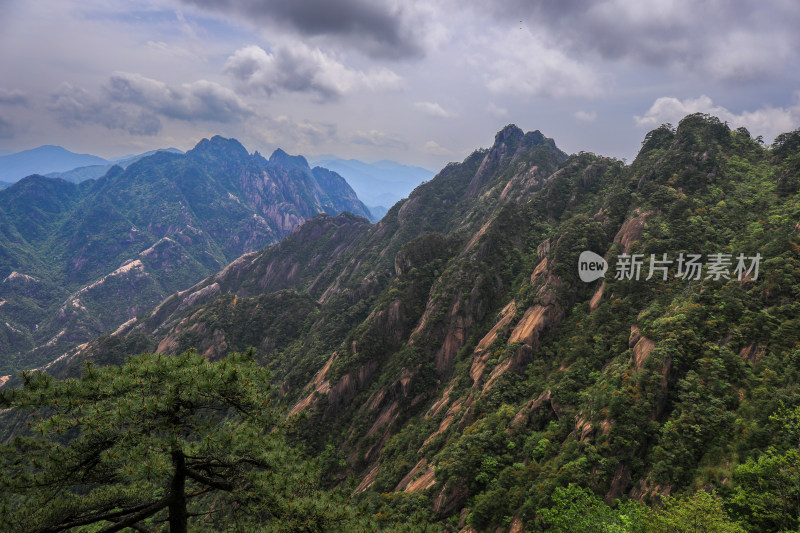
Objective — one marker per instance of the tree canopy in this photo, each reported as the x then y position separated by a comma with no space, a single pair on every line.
177,440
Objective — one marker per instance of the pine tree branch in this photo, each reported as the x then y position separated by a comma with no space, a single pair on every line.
140,511
220,484
203,463
137,517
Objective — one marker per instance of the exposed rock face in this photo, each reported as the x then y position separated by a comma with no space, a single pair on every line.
448,419
751,352
414,482
525,415
369,479
619,483
349,384
16,276
501,326
319,385
509,144
516,526
640,346
546,312
449,499
454,340
423,482
631,231
594,303
531,325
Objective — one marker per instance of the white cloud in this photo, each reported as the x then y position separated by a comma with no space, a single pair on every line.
767,121
523,63
300,68
134,103
74,107
585,116
199,100
434,148
432,109
285,132
377,138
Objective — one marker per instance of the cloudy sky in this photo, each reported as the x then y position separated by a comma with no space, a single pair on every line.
420,82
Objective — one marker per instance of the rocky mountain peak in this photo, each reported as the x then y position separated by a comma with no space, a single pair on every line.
507,135
220,146
513,136
281,158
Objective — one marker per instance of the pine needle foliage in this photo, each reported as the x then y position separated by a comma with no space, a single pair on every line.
160,440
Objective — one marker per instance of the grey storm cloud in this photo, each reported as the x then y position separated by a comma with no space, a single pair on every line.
302,133
199,100
300,68
134,103
73,106
726,39
378,28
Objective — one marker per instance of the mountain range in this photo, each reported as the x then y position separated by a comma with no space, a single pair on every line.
90,172
77,259
43,160
450,362
58,162
380,184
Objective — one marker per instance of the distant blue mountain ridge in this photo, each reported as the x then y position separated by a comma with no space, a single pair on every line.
43,160
379,185
93,172
58,162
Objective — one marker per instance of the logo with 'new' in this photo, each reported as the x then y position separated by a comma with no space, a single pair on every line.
591,266
717,267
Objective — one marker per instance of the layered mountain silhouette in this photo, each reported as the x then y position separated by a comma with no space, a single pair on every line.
77,259
380,185
43,160
90,172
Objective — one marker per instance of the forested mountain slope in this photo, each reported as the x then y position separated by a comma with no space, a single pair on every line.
449,359
77,259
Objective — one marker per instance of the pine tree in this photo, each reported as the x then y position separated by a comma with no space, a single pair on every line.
160,439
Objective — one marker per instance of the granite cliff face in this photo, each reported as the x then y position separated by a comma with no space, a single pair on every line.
98,253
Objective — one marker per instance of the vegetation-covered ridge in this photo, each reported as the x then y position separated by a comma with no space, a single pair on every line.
77,260
161,440
451,365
